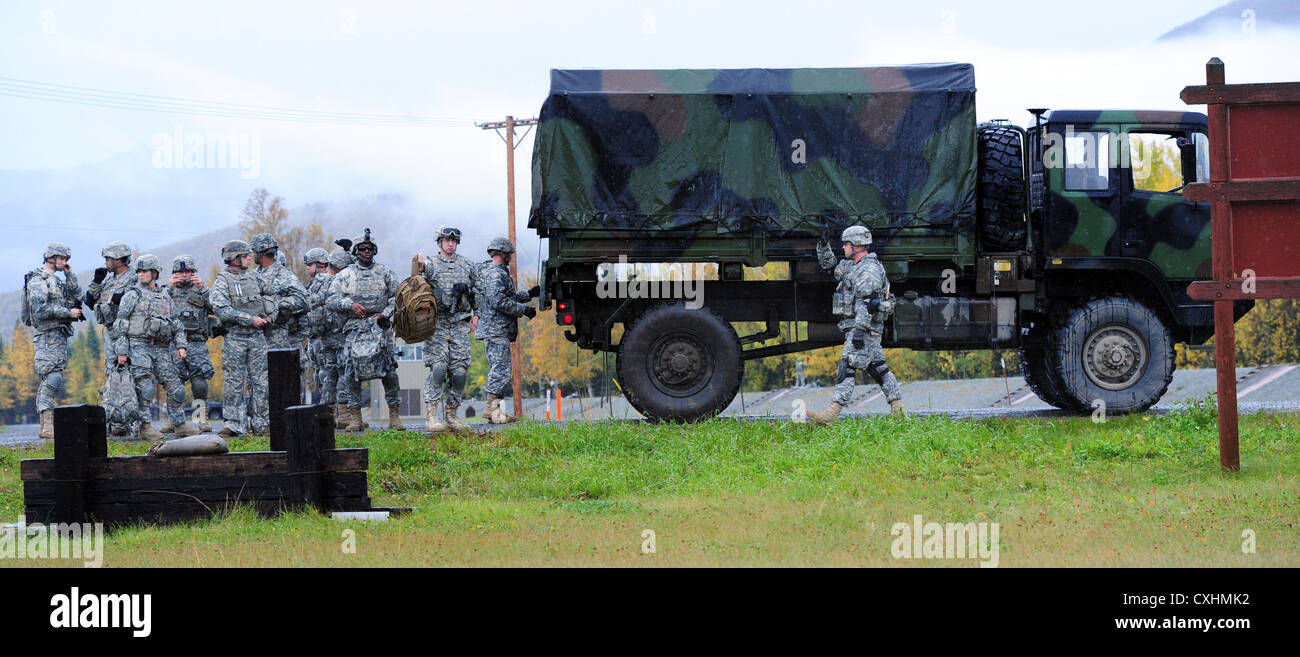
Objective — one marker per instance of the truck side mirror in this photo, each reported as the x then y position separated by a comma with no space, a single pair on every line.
1187,149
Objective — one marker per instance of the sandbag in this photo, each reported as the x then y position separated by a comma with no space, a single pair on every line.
417,310
202,444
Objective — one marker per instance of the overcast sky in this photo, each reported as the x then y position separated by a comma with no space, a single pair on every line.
462,62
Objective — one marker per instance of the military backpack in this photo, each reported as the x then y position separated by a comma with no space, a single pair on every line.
416,314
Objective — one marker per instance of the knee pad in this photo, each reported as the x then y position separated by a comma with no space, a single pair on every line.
54,380
458,380
844,371
438,374
878,370
200,388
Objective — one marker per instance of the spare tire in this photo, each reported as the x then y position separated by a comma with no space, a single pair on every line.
1001,188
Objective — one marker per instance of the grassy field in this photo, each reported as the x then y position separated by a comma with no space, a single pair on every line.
1135,491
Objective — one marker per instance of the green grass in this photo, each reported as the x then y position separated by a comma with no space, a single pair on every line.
1135,491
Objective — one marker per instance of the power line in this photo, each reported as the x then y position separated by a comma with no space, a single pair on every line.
44,91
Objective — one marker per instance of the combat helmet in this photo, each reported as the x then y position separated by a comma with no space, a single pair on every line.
315,254
57,249
116,250
364,239
234,249
263,242
448,232
500,244
183,263
340,260
857,236
148,261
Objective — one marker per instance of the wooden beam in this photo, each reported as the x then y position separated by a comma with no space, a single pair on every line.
284,389
1264,288
303,436
236,463
1271,189
79,432
1240,94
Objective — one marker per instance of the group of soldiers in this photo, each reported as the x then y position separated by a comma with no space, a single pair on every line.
341,322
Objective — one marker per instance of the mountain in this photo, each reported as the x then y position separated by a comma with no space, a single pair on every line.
1244,16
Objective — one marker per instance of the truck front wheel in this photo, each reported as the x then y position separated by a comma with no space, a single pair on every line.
1115,350
678,364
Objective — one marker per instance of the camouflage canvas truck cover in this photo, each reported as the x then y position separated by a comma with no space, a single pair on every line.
988,235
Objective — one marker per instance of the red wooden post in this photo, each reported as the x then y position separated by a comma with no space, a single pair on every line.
1225,338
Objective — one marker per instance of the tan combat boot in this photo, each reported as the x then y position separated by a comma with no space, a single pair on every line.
168,427
453,423
432,424
896,408
340,416
354,420
184,430
495,413
47,425
827,416
395,419
201,415
147,432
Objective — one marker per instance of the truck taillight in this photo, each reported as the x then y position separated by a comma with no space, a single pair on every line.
568,319
564,313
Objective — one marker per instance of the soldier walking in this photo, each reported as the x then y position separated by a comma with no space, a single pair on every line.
863,302
283,289
190,305
50,306
147,333
236,297
104,294
365,293
454,279
500,308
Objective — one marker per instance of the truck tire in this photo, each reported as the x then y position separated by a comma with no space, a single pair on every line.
680,365
1001,189
1115,350
1037,369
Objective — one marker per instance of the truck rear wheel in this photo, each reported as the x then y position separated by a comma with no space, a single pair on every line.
1001,188
680,365
1115,350
1041,377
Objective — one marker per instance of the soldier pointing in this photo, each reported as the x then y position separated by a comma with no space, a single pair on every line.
862,301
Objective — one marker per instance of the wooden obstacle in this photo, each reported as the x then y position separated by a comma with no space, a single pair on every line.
83,484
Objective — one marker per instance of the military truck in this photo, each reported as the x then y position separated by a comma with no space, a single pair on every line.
1048,239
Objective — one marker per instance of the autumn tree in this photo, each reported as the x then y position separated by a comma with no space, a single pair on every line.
261,216
18,371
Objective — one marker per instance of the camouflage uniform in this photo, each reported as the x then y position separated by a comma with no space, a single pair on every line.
149,334
190,305
290,298
446,354
50,302
862,300
104,298
375,288
502,306
325,328
236,297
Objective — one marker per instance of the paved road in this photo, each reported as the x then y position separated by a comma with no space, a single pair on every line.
1259,389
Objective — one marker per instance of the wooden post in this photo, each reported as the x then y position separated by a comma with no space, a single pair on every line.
308,430
284,389
516,372
1225,347
79,436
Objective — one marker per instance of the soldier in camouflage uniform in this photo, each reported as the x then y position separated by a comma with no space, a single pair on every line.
365,293
454,279
321,327
500,308
103,295
50,307
284,289
237,299
332,344
148,333
862,300
190,305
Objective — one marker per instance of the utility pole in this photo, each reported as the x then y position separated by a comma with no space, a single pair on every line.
509,138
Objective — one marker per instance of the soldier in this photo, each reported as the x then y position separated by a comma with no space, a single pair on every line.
236,297
365,293
501,307
332,343
190,305
799,366
454,279
50,306
862,299
148,332
284,290
103,295
319,327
